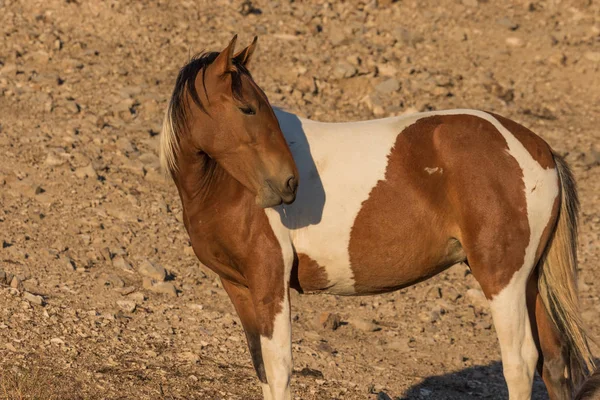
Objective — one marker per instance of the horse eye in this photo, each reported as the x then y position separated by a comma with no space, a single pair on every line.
247,110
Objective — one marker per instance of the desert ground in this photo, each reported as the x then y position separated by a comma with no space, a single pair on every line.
87,220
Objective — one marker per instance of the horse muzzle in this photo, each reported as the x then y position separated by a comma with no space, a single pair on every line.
273,194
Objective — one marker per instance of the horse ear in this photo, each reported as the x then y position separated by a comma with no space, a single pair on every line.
244,56
224,61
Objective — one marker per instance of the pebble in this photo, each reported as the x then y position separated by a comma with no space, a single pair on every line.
388,86
329,321
161,287
86,172
344,70
364,325
592,56
126,305
138,297
120,262
514,41
33,298
152,271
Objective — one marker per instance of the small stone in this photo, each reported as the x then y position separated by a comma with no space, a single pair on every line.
115,281
54,160
387,69
152,271
329,321
15,283
407,37
120,262
514,41
33,298
86,172
388,86
508,23
593,56
189,356
364,325
57,341
126,305
165,288
138,297
125,145
344,70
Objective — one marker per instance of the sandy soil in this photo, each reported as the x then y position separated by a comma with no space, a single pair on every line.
84,209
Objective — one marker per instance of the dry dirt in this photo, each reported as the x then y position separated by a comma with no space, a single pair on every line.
84,210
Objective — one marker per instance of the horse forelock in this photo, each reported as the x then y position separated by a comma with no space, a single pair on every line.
175,120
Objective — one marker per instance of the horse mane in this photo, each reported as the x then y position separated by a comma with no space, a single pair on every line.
175,120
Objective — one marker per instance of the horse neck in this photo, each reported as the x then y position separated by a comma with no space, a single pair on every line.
201,181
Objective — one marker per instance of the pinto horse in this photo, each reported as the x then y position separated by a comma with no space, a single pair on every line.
272,201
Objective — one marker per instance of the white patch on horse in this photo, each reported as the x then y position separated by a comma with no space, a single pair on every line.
277,351
266,390
431,171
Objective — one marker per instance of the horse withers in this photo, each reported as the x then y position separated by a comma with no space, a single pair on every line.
272,201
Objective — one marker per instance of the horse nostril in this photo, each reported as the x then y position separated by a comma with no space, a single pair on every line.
292,184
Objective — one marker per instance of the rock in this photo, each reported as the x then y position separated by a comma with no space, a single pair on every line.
388,86
33,298
363,325
337,36
115,281
407,37
152,271
508,23
591,158
306,84
138,297
86,172
477,298
593,56
125,145
165,288
54,160
189,356
514,41
57,341
344,70
329,321
150,161
15,283
120,262
387,69
127,305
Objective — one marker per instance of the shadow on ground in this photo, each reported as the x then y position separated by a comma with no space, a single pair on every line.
478,382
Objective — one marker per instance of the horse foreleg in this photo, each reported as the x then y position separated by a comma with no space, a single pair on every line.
269,282
242,301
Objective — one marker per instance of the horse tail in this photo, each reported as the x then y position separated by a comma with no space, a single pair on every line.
558,281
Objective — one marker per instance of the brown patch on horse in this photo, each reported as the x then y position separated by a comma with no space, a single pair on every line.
449,217
307,275
536,146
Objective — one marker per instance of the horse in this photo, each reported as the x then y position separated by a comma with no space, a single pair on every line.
274,202
590,390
